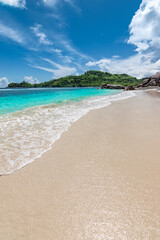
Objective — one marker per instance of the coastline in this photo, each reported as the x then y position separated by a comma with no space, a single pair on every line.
32,132
100,180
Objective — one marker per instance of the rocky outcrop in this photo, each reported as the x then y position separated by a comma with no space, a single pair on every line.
110,86
129,88
151,81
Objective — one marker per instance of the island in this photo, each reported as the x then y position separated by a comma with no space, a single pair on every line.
88,79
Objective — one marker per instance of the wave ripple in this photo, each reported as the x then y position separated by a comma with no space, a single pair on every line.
27,134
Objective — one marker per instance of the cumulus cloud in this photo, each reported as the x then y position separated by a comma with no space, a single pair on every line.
137,65
145,35
58,70
31,79
14,3
11,33
144,27
41,35
3,82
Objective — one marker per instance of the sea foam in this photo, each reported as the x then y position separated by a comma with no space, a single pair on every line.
27,134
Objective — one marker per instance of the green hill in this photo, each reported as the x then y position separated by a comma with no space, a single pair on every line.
88,79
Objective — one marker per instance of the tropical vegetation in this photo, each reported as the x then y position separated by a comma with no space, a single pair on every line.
88,79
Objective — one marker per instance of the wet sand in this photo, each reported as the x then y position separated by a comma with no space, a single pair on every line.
100,181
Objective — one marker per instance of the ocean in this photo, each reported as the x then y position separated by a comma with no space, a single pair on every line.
31,120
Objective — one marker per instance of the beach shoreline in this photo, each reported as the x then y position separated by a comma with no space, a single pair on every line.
100,180
27,134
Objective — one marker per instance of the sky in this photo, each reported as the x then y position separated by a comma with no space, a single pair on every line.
42,40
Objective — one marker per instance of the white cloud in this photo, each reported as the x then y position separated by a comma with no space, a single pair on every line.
50,3
63,58
144,27
102,64
75,6
11,33
3,82
67,59
145,35
137,65
58,70
67,45
42,36
31,79
55,50
53,3
14,3
56,16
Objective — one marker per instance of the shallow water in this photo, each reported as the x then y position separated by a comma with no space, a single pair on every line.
12,100
33,119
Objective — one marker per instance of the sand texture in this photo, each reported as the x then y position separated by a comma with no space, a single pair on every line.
100,181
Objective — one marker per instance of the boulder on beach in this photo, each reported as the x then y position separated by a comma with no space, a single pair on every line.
112,86
129,88
151,81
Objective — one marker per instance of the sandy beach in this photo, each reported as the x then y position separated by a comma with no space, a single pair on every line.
100,180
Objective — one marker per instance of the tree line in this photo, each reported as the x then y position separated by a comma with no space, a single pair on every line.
88,79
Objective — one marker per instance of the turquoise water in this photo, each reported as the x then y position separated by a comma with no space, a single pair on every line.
12,100
31,120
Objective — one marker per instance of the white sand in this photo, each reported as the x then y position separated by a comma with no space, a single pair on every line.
100,181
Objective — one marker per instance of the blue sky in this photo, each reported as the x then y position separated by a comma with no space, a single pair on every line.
46,39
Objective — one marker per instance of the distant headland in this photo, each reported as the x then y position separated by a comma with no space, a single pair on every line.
88,79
